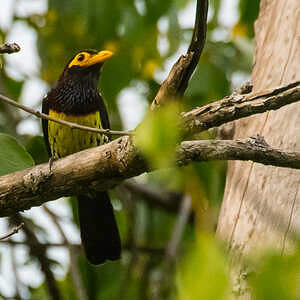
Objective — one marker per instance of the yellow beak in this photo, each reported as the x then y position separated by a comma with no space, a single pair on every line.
90,59
100,57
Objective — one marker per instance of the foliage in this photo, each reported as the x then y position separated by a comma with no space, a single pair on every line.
13,156
276,277
158,136
208,262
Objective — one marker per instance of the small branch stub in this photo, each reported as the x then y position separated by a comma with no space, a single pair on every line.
9,48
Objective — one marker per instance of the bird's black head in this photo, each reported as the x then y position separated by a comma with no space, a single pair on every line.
77,88
85,65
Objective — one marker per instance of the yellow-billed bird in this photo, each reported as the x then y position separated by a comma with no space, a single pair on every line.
76,98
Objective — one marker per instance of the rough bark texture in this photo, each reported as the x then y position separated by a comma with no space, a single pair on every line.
99,168
238,106
261,204
104,167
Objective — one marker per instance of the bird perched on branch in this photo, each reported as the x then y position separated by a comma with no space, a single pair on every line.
76,98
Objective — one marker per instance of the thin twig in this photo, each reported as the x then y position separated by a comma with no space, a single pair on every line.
183,216
131,210
9,48
39,251
141,249
172,248
63,122
75,274
15,271
167,200
14,231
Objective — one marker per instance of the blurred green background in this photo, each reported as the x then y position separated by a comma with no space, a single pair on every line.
147,37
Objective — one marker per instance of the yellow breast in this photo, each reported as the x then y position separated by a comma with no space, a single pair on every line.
64,140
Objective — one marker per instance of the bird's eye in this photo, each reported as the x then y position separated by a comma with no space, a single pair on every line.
80,57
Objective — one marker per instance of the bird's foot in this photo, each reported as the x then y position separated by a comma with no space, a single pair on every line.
51,161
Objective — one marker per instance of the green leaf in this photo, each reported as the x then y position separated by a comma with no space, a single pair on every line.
37,149
203,273
158,136
248,13
13,87
277,277
13,157
40,292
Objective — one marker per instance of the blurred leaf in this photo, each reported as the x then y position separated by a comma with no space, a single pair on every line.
203,273
248,14
215,6
11,87
13,156
210,80
155,9
158,135
39,293
67,289
37,149
212,176
277,277
101,282
116,75
174,33
246,47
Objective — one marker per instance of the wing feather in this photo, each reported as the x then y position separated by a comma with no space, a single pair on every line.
45,110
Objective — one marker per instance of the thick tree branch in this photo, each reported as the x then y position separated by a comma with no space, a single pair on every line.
238,106
98,167
104,167
254,148
177,81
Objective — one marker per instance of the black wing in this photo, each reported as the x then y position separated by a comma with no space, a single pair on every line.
45,110
103,114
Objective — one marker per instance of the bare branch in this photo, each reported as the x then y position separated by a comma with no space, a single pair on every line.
183,217
177,81
125,247
74,271
38,250
9,48
106,166
167,200
63,122
254,148
239,106
14,231
173,245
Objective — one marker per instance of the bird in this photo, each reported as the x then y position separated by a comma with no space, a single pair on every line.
76,98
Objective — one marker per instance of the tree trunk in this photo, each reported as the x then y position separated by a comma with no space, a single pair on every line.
261,204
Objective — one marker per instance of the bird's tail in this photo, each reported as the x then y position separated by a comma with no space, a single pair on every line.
99,232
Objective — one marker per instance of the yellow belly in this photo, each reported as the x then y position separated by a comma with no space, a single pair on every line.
64,141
